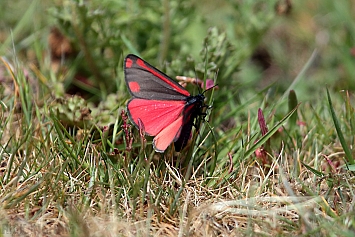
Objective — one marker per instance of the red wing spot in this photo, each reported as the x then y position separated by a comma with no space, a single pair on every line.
134,86
141,63
129,63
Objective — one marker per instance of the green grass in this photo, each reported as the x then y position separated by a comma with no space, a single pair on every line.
274,155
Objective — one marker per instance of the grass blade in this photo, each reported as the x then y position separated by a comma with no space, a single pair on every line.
348,155
270,133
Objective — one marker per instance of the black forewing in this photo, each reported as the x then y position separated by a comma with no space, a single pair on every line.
153,84
192,110
184,137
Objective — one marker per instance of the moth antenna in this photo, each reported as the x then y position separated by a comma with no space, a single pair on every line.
215,86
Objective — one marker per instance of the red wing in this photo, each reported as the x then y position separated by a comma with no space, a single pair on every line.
146,82
156,115
169,134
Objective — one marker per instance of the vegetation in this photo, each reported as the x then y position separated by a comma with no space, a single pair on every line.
274,155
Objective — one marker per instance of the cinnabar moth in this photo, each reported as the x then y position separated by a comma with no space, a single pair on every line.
160,105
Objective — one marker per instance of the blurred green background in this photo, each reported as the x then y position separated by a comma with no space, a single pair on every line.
253,42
